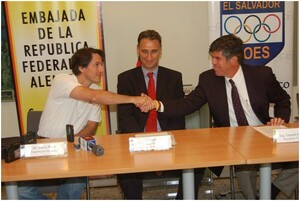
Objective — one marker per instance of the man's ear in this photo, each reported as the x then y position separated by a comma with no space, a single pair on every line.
137,50
234,59
81,69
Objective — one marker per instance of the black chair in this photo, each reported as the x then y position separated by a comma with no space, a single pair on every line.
231,168
297,99
48,185
152,180
33,121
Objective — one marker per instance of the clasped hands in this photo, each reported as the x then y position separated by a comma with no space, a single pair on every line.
145,103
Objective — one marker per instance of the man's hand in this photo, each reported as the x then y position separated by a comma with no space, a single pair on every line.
275,122
141,101
148,103
144,102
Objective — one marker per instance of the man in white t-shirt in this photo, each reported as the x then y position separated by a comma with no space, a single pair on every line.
61,110
75,99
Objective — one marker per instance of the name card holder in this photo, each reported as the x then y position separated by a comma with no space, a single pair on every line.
150,141
54,149
286,135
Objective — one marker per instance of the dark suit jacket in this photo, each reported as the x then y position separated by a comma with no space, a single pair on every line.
262,87
132,82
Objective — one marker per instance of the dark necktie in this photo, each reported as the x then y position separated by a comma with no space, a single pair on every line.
238,108
151,125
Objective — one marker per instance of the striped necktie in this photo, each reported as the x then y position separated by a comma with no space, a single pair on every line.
237,105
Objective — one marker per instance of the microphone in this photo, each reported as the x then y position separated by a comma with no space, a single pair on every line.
96,149
88,143
85,142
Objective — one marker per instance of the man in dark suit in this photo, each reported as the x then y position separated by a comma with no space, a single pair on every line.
257,87
131,120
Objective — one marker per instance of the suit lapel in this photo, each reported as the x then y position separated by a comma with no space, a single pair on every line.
251,84
139,77
221,98
161,82
220,90
140,87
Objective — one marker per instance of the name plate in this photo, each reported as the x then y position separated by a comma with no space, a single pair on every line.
286,135
150,141
54,149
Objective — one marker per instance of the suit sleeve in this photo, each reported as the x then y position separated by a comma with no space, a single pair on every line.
184,106
175,92
279,97
263,90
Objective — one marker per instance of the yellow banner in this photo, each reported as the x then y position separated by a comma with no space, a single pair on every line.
43,36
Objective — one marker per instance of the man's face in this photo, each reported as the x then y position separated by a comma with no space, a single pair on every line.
94,70
223,66
149,52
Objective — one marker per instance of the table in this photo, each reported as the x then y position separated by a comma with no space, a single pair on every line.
195,148
256,148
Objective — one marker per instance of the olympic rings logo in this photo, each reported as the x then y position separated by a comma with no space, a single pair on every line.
261,30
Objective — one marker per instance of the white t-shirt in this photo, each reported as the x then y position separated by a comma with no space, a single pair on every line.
61,109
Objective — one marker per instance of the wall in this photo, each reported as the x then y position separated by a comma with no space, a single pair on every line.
9,120
183,27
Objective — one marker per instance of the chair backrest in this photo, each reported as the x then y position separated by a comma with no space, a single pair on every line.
297,99
33,120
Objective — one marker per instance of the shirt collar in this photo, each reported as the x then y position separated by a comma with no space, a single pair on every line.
145,72
237,77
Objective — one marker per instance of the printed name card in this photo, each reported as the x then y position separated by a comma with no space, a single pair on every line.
150,141
286,135
54,149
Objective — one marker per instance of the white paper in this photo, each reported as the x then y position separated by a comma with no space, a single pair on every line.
159,134
149,142
268,130
286,135
44,150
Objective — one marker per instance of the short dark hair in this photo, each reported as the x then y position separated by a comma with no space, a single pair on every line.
150,34
230,45
83,57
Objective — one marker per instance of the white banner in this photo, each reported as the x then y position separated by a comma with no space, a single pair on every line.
266,27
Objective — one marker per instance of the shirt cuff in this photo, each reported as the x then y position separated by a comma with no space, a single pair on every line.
161,108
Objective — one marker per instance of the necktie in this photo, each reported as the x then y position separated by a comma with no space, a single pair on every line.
238,108
151,125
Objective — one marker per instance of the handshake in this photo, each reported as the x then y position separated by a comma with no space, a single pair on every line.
145,103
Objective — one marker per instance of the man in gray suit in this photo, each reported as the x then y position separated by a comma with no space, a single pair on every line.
257,87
